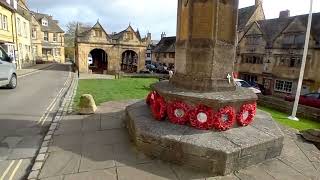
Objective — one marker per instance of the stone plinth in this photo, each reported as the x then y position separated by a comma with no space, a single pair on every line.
215,100
218,153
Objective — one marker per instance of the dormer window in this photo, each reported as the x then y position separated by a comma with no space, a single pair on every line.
293,39
44,22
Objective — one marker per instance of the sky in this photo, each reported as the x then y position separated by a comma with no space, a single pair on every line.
153,16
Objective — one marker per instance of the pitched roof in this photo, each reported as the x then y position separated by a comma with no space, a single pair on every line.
244,14
315,27
4,4
272,28
119,35
52,24
166,44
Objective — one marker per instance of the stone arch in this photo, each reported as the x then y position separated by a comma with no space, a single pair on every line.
98,61
129,61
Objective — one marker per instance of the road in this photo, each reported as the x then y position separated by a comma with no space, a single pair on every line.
25,115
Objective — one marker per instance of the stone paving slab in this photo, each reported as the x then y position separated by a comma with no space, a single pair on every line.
106,153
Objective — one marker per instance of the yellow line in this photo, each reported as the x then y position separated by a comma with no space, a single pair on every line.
15,170
7,170
44,117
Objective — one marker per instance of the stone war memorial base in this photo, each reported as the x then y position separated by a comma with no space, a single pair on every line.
218,153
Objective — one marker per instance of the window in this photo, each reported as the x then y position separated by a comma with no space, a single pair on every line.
0,21
57,52
25,30
19,26
129,36
5,22
3,55
98,33
34,50
171,55
44,22
252,59
253,40
46,36
290,61
250,78
148,55
283,86
313,95
34,33
55,37
294,39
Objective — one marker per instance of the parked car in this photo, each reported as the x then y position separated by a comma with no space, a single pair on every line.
8,75
90,60
311,99
245,84
151,67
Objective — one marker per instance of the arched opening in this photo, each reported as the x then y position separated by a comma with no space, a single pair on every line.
98,61
129,61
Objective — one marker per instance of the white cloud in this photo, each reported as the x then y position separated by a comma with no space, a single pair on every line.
155,16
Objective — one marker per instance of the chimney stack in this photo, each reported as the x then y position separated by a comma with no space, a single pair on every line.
284,14
149,36
163,34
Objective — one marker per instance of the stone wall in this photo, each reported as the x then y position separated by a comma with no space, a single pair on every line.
285,106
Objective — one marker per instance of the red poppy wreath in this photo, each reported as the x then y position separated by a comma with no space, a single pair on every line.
178,112
225,118
158,108
201,117
246,114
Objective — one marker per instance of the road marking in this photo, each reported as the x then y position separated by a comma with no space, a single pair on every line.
7,170
15,169
28,74
44,117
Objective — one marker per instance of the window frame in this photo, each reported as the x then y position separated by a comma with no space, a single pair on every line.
46,36
1,26
284,86
55,37
5,22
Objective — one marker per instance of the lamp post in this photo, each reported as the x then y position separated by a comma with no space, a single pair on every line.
303,65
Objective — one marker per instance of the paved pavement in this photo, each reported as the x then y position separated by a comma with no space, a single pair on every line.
25,113
97,147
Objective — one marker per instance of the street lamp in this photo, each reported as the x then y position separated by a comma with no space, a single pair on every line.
303,65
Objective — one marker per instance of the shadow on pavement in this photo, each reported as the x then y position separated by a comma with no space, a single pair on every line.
86,145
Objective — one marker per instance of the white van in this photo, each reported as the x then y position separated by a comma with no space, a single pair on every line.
8,75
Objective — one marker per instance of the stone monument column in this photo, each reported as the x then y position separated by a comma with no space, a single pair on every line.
182,120
205,47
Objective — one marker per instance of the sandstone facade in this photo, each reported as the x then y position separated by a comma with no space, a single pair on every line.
110,53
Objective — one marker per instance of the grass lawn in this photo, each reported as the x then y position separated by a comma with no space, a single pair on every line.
112,90
282,118
138,88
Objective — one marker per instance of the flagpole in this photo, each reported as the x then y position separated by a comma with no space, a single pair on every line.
303,65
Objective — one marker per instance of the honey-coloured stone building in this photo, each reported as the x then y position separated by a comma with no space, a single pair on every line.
103,53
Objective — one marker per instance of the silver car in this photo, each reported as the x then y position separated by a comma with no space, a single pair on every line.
8,75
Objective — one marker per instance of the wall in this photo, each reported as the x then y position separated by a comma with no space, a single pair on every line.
7,35
23,42
286,107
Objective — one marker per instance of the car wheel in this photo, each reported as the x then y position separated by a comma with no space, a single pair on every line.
13,82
